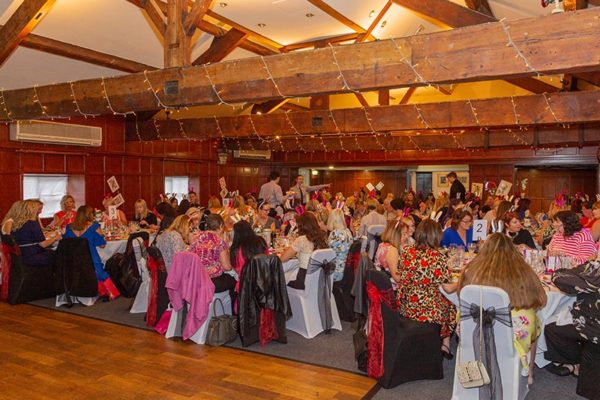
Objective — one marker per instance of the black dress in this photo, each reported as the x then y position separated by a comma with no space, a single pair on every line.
28,237
523,237
457,190
150,219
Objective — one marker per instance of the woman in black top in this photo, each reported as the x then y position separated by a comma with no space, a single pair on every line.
520,237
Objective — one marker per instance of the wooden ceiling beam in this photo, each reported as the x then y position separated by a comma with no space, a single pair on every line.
440,57
383,97
157,16
362,37
567,108
221,47
534,85
316,43
332,12
481,6
177,50
446,12
79,53
20,24
259,38
246,44
361,99
406,98
196,13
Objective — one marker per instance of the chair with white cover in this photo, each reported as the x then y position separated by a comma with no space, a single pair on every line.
306,316
140,303
176,322
373,233
513,384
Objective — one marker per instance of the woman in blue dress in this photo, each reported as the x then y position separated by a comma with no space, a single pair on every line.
84,226
460,232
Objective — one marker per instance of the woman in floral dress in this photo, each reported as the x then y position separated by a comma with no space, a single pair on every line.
422,270
340,239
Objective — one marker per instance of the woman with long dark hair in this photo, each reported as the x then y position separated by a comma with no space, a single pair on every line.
310,238
245,245
570,239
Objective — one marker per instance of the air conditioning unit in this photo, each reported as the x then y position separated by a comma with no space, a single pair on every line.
56,133
253,154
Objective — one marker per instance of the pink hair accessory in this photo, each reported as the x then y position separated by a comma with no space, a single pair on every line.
300,210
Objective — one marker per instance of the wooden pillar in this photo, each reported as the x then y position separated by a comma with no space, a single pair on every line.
177,43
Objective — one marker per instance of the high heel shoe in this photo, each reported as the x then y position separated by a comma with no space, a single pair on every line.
446,353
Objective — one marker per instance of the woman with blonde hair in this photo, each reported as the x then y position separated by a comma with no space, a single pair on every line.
29,236
120,219
500,264
143,216
174,239
340,239
242,210
393,239
214,205
67,212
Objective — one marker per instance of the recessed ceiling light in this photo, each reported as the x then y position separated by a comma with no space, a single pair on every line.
277,137
383,24
331,167
261,25
372,13
309,15
223,4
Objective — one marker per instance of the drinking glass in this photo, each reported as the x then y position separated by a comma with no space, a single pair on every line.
472,247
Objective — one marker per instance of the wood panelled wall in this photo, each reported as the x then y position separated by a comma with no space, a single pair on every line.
140,167
349,181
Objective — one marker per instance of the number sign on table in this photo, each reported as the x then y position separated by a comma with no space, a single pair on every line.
479,229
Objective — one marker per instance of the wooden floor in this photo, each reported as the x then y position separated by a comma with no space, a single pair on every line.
47,354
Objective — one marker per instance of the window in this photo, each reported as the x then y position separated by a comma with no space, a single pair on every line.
177,185
48,188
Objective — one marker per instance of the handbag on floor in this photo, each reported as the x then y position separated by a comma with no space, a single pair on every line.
222,329
359,339
472,374
163,323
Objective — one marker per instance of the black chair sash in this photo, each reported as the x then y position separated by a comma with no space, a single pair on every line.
493,391
324,289
375,241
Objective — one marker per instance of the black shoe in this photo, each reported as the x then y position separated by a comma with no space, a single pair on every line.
559,370
446,353
298,283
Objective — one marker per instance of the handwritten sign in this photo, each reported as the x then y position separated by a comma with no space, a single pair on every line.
477,189
119,200
113,184
370,187
112,212
380,185
503,188
479,229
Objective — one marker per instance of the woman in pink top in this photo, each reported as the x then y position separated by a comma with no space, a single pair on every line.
394,237
570,239
214,254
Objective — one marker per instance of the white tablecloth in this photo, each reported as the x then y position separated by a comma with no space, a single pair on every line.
112,247
557,302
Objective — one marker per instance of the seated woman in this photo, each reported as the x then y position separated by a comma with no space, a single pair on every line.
499,264
262,220
214,205
460,232
121,219
570,239
594,222
28,234
66,215
143,216
340,239
421,271
246,244
174,239
84,226
166,213
242,210
174,202
409,221
310,238
513,228
393,239
212,250
195,215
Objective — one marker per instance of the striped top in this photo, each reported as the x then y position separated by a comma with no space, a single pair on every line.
581,246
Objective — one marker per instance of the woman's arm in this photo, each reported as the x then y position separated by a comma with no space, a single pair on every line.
288,254
596,230
392,257
224,260
122,217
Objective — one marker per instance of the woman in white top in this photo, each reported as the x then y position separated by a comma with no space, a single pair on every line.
310,238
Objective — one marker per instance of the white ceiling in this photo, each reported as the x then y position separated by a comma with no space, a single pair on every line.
118,27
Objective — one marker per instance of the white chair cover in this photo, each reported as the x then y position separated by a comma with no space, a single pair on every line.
176,324
513,384
140,304
306,319
372,231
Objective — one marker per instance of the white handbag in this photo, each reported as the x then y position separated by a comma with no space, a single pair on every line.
472,374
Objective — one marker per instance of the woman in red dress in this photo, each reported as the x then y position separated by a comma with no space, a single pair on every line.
422,270
67,212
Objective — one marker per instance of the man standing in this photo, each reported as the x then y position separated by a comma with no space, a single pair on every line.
457,189
271,193
300,190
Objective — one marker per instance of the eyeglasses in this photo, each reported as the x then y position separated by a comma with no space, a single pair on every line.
468,221
267,209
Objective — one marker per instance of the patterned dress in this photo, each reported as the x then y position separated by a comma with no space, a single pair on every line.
422,271
340,241
208,246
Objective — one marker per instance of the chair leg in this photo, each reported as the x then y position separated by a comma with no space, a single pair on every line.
532,352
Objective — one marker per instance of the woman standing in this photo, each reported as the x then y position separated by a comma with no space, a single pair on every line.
310,238
421,271
340,239
29,236
84,226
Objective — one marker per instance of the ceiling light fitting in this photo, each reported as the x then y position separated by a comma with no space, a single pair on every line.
261,25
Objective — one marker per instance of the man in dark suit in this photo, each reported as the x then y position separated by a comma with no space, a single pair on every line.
457,189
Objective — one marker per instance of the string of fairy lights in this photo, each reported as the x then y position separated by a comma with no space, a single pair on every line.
268,142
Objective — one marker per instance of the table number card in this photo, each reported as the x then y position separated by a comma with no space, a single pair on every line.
112,212
479,229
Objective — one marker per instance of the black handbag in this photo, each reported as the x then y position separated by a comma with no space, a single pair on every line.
222,329
359,339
